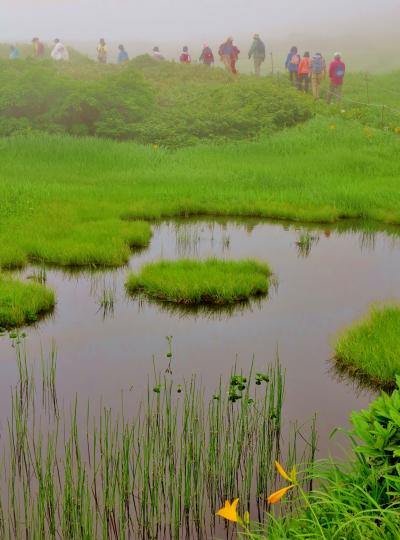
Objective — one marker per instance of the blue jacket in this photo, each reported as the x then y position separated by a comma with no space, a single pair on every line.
122,57
291,66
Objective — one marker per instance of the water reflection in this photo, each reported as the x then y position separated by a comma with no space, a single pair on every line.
106,340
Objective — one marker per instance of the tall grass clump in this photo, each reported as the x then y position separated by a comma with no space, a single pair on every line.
160,472
23,303
201,282
370,348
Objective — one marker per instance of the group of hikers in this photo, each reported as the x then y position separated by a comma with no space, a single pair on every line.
312,69
303,71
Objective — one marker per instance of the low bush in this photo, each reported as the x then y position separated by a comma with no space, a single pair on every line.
201,282
147,101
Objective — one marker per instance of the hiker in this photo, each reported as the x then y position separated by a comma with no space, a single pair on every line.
318,73
38,47
226,53
59,51
234,59
337,69
156,54
257,51
14,53
102,52
185,56
123,56
304,73
206,56
292,64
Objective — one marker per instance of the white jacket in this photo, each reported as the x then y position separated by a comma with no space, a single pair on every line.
59,52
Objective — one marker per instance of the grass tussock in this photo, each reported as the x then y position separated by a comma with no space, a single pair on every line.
201,282
371,347
23,303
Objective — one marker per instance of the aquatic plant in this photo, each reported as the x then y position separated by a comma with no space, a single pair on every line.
88,473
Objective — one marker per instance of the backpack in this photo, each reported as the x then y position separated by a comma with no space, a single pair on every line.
295,59
317,64
339,71
260,47
208,55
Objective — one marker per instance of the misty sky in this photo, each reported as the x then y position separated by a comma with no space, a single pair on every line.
182,19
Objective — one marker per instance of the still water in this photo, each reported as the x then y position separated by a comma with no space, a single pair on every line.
320,289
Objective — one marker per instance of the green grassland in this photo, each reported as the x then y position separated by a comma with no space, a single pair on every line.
23,303
201,282
69,200
371,347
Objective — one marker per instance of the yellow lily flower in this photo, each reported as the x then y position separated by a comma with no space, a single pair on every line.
282,471
229,511
277,495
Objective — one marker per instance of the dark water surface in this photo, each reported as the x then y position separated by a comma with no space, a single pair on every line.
101,353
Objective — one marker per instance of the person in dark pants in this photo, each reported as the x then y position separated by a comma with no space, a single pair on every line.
304,73
292,64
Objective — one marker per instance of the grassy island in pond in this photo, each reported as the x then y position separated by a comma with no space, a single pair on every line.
23,303
371,348
201,282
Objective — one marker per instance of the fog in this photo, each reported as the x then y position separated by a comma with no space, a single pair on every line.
189,20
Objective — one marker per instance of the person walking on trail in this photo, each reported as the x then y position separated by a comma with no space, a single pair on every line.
234,59
156,54
292,64
59,51
102,52
337,70
257,51
123,56
304,73
226,53
38,47
14,53
206,57
318,73
185,56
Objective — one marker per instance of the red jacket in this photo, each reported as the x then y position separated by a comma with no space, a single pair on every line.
336,71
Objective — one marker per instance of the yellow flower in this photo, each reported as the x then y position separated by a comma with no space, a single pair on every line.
246,518
277,495
397,130
333,126
282,471
229,511
155,147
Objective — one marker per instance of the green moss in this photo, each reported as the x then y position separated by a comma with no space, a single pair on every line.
201,282
371,347
23,303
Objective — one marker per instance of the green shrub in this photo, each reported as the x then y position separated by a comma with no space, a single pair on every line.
148,101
